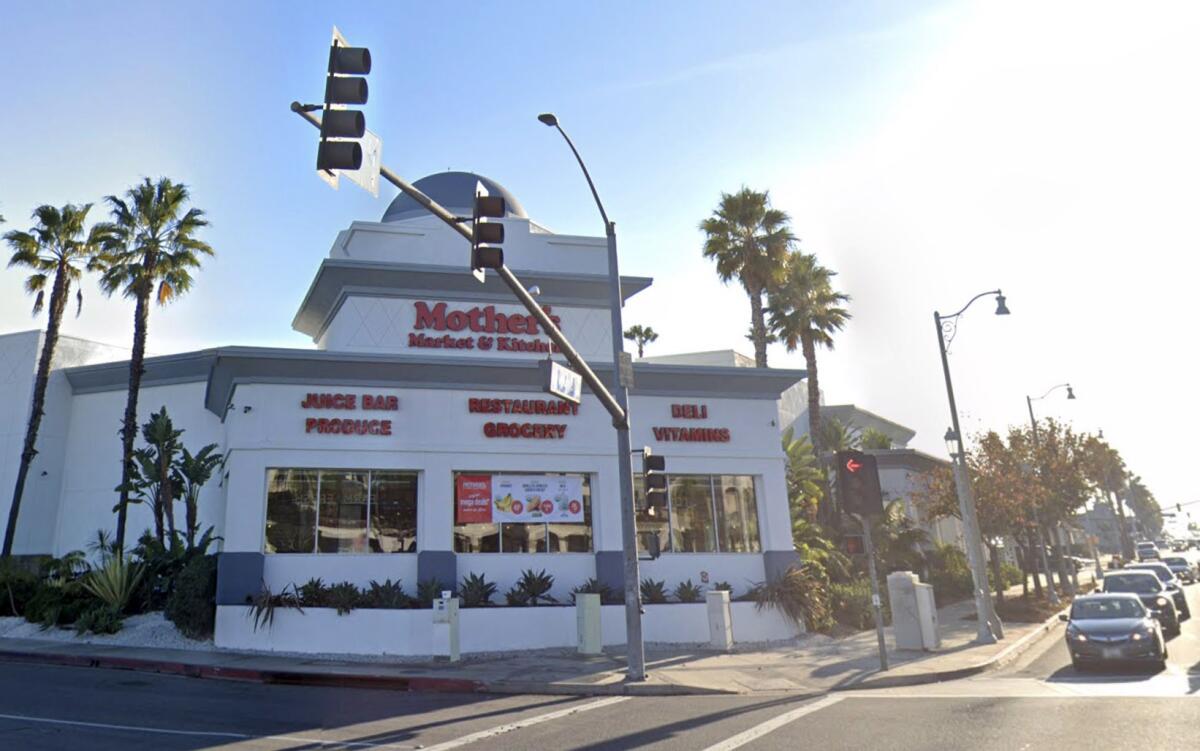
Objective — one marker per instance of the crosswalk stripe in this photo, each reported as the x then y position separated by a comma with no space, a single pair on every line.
774,723
535,720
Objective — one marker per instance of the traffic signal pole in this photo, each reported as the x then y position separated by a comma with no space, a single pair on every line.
876,600
617,407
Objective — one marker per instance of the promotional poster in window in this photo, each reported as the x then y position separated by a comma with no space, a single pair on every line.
484,499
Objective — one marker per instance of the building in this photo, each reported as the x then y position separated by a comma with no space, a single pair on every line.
414,440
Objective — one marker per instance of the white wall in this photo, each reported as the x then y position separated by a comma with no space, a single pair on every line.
18,366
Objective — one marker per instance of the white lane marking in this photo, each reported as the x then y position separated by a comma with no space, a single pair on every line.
200,733
535,720
774,723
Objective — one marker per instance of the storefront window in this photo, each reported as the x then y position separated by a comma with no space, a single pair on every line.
471,536
692,529
700,514
341,511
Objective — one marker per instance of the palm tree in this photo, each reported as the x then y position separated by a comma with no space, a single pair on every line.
152,248
191,472
875,439
836,435
643,335
54,249
805,311
749,240
162,444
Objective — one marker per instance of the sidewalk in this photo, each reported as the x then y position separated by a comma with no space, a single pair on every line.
814,664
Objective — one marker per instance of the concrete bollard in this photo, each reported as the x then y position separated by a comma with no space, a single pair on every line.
445,626
720,620
587,623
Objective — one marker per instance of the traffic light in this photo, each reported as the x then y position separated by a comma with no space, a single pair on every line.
654,481
858,483
486,236
341,128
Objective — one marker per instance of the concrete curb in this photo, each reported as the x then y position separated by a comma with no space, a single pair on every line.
1005,657
420,683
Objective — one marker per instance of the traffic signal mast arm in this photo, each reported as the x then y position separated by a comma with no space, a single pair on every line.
620,419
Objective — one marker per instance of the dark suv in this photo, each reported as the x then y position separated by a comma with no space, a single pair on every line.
1150,591
1164,574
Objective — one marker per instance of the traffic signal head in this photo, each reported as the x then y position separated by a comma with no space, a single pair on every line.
486,236
858,483
654,480
343,86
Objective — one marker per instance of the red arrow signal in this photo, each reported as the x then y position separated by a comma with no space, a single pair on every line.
853,465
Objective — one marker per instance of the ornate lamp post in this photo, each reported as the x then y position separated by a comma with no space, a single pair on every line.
989,627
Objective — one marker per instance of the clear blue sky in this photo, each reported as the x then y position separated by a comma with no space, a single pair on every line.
926,150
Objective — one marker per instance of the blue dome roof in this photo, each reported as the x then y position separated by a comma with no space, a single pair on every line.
455,191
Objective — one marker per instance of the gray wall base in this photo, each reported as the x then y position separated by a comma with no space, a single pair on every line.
441,565
777,562
610,570
239,577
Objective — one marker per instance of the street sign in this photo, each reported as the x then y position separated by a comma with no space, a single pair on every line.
858,483
561,381
625,372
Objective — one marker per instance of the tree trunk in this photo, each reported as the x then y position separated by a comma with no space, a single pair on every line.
1058,561
58,302
758,327
166,491
141,315
159,532
641,349
1034,562
827,511
1127,550
1023,562
190,503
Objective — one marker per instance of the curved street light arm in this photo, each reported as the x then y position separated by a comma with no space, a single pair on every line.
963,309
1048,393
587,176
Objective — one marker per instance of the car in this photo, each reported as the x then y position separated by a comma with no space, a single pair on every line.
1181,568
1147,551
1152,592
1112,628
1170,582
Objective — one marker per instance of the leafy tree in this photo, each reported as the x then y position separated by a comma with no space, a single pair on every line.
643,335
804,476
835,435
1104,468
805,312
897,540
163,446
55,249
876,440
151,248
749,241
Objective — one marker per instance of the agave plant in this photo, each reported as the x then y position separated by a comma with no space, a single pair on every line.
653,592
801,595
476,591
688,592
265,603
114,582
388,595
608,596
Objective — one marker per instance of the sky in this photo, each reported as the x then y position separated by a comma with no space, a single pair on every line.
925,150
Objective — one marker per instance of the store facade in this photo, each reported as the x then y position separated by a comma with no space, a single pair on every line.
416,442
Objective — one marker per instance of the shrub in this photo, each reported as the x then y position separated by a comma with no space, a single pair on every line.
344,597
192,604
313,593
851,606
688,592
115,582
99,618
17,587
1010,575
532,589
653,592
428,591
264,604
608,596
950,574
476,591
801,595
389,595
57,603
723,587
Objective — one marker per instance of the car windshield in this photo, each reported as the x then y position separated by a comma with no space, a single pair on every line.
1139,584
1176,562
1162,572
1107,608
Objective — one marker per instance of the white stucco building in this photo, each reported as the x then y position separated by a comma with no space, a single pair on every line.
366,457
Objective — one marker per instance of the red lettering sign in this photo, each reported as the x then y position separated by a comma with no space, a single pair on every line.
689,411
537,430
693,435
474,499
480,320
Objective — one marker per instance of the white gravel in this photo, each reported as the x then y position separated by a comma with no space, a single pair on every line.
145,630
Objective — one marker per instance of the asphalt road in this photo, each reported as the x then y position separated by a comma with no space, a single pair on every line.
1040,702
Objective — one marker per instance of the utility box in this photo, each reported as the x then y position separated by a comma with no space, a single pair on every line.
587,623
931,636
906,622
445,626
720,620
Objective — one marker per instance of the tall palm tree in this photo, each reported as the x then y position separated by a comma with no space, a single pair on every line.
643,335
55,249
749,240
151,249
805,311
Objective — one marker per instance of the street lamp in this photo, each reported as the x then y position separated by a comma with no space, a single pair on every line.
988,623
633,607
1029,400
